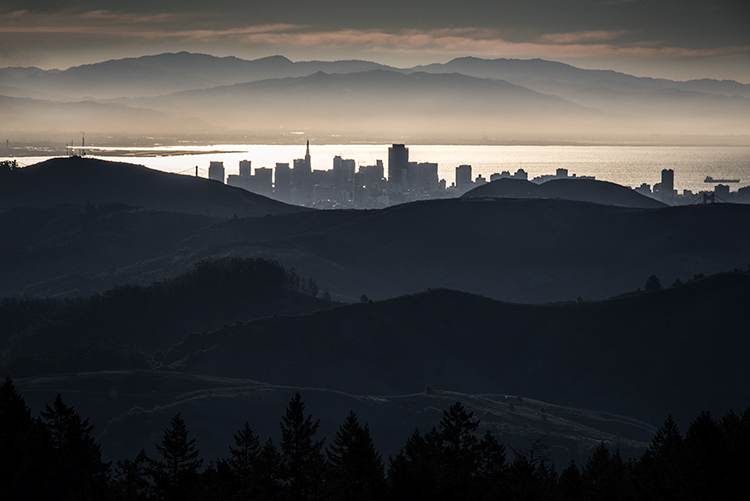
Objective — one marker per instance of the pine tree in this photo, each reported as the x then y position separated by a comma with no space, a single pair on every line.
662,468
707,457
244,459
79,472
302,455
492,470
652,284
603,475
355,467
130,482
414,473
24,453
571,482
178,472
459,449
269,470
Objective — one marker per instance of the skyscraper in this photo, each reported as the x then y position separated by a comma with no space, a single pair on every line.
216,171
283,182
398,166
302,178
245,168
667,181
463,177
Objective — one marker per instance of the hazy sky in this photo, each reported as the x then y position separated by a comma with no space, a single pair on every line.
678,39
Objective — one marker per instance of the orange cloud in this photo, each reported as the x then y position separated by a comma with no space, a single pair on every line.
582,36
204,28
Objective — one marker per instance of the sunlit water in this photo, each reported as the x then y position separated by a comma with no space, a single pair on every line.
625,165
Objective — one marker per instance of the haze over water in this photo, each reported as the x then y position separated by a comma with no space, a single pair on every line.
624,165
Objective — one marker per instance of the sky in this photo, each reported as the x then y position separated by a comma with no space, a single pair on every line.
677,39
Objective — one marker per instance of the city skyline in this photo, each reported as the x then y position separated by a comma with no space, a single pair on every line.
346,186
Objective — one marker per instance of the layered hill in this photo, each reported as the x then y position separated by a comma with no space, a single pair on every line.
568,372
464,100
164,74
27,114
642,355
130,409
607,90
417,104
582,190
523,250
82,181
117,329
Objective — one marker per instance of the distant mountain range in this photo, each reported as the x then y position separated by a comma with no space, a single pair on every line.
467,99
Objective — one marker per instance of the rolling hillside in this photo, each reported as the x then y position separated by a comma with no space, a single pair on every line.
582,190
82,181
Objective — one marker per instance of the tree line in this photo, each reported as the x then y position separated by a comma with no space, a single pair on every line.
54,456
153,316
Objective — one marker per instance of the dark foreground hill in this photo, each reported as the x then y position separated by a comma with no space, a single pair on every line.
131,409
523,250
582,190
679,350
569,372
82,181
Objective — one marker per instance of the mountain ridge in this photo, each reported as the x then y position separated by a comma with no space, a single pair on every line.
570,103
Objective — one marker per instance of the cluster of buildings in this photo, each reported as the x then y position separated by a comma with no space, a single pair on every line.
665,191
346,186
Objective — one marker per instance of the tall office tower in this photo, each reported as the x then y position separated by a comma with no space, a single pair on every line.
283,182
463,177
398,166
423,177
216,171
245,169
302,179
371,176
343,172
667,181
263,180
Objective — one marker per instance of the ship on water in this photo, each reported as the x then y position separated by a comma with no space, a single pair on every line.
709,179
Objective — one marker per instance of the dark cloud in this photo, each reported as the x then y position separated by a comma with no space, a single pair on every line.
553,29
689,23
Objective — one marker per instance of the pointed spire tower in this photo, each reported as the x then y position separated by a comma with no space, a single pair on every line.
307,156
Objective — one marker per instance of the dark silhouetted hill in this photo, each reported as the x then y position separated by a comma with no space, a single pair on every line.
569,372
599,192
582,190
82,181
119,328
129,408
523,250
677,350
506,188
75,250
